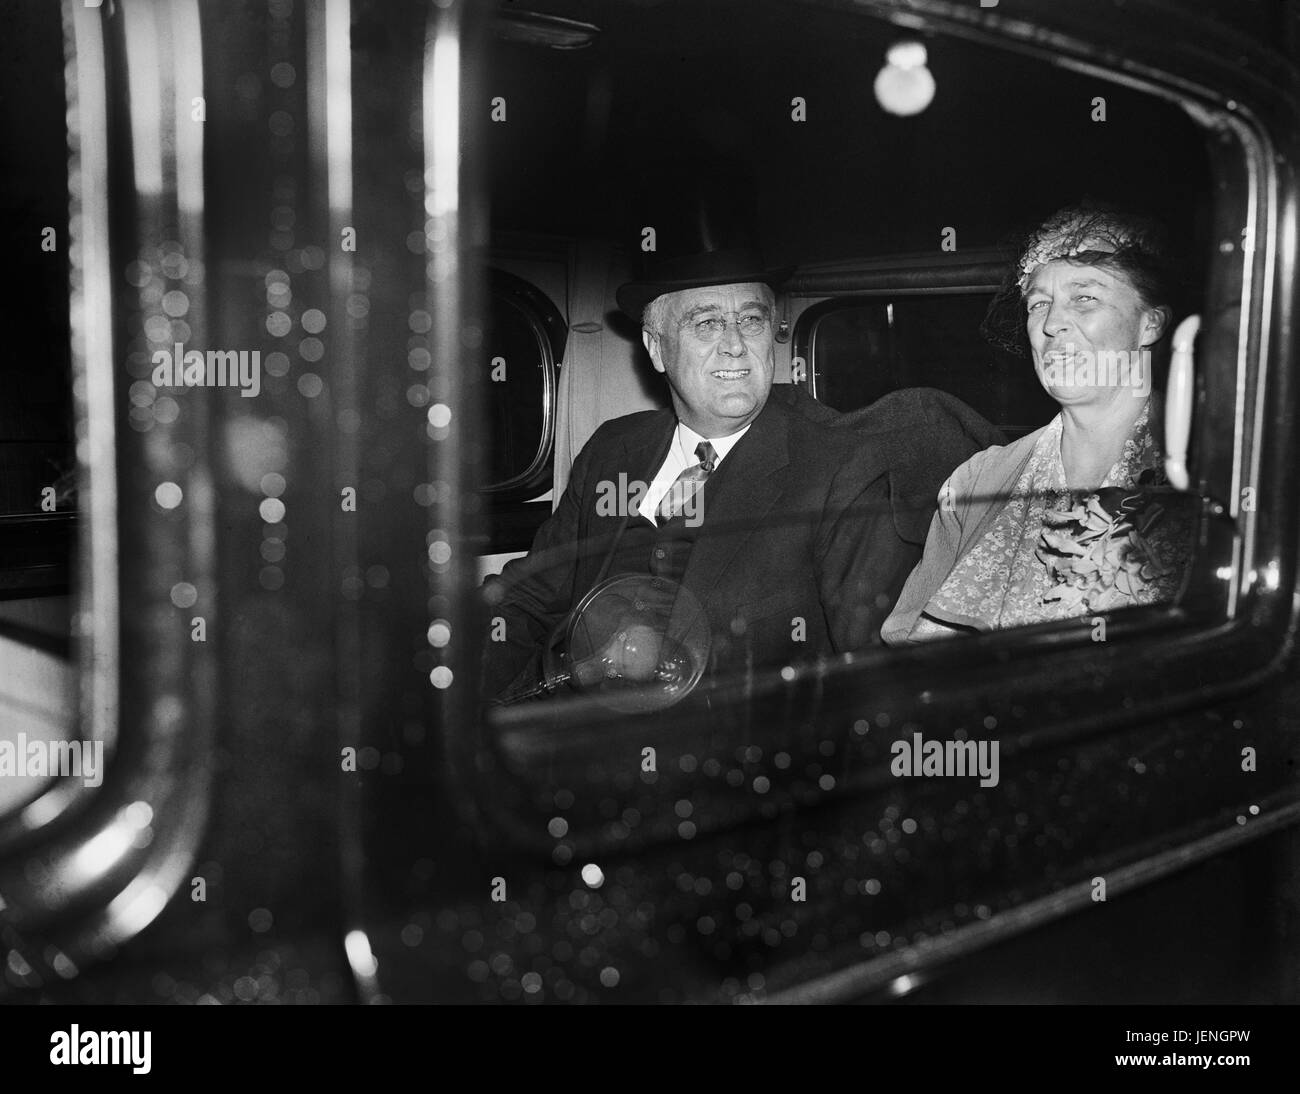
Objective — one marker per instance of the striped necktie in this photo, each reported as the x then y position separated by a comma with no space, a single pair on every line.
687,483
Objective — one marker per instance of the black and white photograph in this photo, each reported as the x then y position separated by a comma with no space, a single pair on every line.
652,502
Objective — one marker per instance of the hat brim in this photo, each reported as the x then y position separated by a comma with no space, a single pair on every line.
636,295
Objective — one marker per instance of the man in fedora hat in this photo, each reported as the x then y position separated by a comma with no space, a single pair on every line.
793,532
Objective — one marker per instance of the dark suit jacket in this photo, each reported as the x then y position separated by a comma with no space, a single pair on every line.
819,517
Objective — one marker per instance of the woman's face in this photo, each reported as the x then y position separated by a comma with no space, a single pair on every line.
1089,330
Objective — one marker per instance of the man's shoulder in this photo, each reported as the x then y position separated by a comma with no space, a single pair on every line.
808,423
892,431
913,411
630,427
921,431
822,456
813,442
795,400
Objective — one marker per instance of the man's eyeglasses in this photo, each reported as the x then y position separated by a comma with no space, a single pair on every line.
711,328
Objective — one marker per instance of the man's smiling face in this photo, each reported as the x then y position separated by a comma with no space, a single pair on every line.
715,347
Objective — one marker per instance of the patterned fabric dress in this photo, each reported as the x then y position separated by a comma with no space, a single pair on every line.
1003,581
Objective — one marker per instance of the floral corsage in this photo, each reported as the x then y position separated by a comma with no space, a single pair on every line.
1099,552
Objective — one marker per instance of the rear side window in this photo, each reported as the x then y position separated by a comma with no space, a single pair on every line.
861,348
521,350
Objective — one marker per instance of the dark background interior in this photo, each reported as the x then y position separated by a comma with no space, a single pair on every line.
681,105
35,370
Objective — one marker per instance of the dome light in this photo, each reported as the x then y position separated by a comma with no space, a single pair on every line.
904,85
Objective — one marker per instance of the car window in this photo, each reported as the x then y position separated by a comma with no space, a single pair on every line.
900,265
521,346
861,349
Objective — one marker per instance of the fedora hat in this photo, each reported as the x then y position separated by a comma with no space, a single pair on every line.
697,271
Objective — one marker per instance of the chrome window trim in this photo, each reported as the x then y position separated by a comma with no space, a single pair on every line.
903,971
96,615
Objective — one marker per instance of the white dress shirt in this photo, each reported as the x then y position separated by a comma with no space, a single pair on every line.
681,455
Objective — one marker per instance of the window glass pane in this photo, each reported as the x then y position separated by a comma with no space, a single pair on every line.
852,356
520,357
863,349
